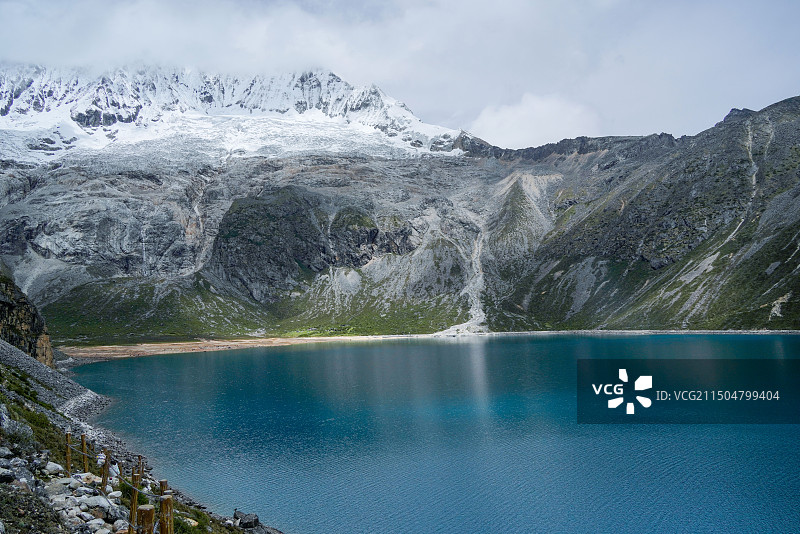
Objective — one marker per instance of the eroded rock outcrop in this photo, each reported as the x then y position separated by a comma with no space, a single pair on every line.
21,324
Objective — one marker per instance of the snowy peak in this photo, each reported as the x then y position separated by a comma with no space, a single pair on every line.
45,113
144,96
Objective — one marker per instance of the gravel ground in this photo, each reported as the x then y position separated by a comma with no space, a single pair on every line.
53,387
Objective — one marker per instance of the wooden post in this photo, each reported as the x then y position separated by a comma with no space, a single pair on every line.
141,465
105,471
135,478
85,454
146,516
162,486
69,455
166,514
171,513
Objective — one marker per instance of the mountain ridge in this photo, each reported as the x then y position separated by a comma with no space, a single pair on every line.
68,108
212,234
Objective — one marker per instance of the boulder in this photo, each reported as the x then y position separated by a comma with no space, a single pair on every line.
97,501
5,452
87,478
114,513
54,488
245,520
96,524
249,521
53,468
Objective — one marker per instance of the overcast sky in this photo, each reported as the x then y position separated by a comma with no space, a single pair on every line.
517,73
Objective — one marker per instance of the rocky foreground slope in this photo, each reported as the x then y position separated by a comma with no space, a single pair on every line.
197,223
37,406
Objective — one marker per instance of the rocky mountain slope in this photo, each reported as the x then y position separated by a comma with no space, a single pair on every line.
323,220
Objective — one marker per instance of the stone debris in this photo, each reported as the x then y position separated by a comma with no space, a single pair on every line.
79,508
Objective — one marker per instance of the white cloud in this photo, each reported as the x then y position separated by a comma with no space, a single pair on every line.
534,121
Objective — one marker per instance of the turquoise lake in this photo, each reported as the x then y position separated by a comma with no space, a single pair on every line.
475,434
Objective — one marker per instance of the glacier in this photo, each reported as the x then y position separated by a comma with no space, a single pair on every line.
46,113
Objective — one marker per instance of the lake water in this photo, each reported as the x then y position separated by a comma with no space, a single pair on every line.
469,435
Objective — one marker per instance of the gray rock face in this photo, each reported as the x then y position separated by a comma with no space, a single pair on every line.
21,324
279,241
55,488
53,468
271,243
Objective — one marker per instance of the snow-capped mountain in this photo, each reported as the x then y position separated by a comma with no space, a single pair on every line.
46,112
172,203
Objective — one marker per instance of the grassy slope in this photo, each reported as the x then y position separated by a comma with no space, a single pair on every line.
131,311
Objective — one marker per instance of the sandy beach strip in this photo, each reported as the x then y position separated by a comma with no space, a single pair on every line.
112,352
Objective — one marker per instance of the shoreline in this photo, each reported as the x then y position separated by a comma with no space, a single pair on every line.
97,353
71,407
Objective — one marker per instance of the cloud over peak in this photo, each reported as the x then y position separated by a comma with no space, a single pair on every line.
533,121
614,67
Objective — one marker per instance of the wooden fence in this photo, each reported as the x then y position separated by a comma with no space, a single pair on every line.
144,519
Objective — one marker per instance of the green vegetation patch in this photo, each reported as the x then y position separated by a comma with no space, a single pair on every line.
120,311
352,219
45,434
